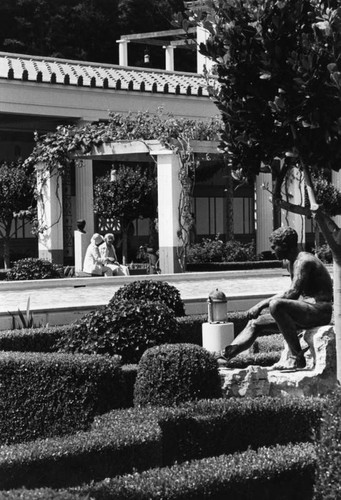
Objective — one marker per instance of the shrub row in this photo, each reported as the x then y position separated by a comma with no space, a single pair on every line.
53,394
188,329
215,427
200,267
123,441
277,473
42,339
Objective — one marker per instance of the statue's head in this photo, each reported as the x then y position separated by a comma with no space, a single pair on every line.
283,240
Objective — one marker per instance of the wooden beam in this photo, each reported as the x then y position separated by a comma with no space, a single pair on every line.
157,34
151,41
183,43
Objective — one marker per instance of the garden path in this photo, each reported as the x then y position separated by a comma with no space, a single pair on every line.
98,291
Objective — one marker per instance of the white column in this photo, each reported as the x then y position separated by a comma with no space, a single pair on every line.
294,193
264,212
85,195
169,189
169,53
336,181
202,36
50,215
123,52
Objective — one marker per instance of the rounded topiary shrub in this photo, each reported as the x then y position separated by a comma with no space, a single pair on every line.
127,328
155,291
172,374
33,269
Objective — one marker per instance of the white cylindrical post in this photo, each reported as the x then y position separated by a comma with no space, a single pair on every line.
81,242
50,215
169,53
123,52
202,61
85,196
169,189
216,336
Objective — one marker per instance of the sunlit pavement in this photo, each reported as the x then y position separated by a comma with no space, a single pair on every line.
86,292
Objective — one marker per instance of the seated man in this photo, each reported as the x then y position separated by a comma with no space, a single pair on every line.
109,257
93,262
306,304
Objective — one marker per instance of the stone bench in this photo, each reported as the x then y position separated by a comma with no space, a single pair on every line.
318,378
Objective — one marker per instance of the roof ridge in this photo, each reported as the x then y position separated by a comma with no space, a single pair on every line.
49,59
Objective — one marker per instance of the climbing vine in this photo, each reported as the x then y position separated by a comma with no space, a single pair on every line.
55,150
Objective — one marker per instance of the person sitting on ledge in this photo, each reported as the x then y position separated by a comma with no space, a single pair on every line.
108,254
93,262
306,304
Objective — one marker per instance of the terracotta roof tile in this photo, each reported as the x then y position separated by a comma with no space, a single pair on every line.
66,72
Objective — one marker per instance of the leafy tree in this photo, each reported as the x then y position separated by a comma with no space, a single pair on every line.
279,93
17,185
128,196
82,29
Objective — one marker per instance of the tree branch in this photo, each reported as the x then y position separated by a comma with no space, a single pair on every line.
329,228
290,207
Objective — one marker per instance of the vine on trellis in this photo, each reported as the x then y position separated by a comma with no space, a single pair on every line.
55,150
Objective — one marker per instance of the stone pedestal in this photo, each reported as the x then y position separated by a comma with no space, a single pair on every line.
82,241
216,336
319,376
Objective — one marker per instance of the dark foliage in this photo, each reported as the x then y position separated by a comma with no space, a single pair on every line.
172,374
154,291
33,269
126,327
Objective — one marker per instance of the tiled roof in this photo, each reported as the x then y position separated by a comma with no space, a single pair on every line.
47,70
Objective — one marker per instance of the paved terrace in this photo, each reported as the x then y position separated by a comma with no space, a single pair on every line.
62,301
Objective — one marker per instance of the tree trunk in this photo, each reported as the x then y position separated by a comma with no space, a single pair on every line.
337,311
229,224
124,245
153,240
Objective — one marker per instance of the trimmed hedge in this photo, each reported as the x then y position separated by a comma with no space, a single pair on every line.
282,472
120,442
215,427
43,339
42,494
47,339
328,451
233,266
172,374
123,441
45,395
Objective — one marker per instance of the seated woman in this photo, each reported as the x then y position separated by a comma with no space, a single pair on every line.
109,257
93,262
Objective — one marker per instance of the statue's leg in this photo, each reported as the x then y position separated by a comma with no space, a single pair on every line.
246,337
291,315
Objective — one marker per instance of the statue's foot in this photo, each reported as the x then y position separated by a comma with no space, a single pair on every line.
228,353
292,363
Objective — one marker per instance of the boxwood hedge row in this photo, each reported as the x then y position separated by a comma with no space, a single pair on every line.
278,473
126,440
282,472
45,395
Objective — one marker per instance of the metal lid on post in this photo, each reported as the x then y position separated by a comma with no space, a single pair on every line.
217,306
217,296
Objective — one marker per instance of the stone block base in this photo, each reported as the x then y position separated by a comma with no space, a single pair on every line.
319,376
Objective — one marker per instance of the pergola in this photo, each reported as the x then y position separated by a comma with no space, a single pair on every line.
169,189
